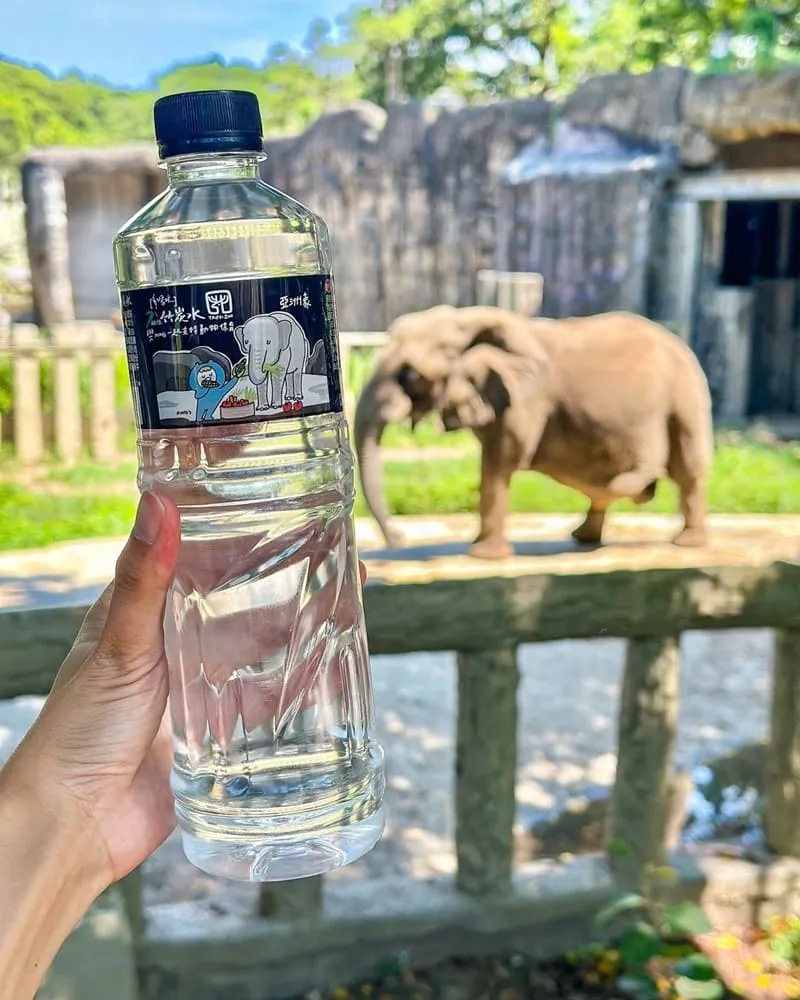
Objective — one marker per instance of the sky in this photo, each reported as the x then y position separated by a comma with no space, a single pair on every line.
126,41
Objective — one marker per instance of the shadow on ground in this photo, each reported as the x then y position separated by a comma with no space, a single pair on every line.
45,590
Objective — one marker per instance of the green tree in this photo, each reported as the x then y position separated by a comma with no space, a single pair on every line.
516,48
481,49
293,85
36,110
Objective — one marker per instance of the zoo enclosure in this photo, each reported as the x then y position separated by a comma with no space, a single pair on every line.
69,392
305,937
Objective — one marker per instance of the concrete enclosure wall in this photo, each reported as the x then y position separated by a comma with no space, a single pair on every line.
418,202
97,205
411,203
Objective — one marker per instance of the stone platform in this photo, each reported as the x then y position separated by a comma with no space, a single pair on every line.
76,572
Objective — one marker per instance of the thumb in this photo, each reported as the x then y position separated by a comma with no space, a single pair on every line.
133,635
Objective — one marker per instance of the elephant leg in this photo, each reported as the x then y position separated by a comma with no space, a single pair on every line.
590,532
275,391
285,392
689,464
693,509
263,395
297,390
491,542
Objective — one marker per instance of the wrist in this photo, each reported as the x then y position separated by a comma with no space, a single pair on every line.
50,873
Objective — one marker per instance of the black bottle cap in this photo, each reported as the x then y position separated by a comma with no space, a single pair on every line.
208,121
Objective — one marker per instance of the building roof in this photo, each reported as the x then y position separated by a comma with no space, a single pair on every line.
80,159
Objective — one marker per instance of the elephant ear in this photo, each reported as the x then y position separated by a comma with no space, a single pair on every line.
239,335
512,385
284,332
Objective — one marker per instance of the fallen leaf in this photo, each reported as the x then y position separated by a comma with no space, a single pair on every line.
727,942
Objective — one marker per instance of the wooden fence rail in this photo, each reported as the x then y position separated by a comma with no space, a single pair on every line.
485,617
78,353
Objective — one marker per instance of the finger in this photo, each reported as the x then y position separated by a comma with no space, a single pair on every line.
133,635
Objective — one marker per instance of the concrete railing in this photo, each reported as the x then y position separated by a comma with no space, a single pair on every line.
305,937
77,409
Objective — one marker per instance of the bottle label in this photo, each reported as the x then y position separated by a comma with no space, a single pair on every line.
233,351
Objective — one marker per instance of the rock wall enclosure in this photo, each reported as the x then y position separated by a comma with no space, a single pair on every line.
419,201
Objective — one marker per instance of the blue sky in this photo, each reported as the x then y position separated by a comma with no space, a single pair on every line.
126,41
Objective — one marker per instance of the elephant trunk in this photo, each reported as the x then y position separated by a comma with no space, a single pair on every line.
256,363
369,425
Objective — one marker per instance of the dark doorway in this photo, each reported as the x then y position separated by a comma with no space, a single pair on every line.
762,252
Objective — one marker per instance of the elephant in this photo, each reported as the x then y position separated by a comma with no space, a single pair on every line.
277,352
608,405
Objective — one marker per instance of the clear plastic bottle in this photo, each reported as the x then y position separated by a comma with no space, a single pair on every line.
227,302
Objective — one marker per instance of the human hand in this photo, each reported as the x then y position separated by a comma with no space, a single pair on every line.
86,796
101,748
99,754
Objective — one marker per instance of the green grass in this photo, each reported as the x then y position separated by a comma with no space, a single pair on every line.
748,477
29,521
89,473
427,435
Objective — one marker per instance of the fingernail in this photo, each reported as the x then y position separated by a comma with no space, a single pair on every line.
148,519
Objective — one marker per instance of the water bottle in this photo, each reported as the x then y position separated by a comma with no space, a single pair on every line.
227,300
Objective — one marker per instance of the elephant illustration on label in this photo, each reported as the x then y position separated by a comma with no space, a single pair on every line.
277,352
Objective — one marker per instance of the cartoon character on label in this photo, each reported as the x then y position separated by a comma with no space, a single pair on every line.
277,352
207,382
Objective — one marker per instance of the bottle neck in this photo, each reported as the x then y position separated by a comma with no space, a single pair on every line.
209,167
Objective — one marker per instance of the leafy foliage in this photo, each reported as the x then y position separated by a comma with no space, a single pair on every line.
783,939
476,50
36,110
661,939
524,48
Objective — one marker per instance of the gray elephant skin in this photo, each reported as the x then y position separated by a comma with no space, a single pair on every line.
608,405
277,352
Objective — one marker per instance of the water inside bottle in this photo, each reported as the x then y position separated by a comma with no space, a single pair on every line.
276,773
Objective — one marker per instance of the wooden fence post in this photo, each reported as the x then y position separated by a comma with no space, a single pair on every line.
66,393
105,347
647,728
782,798
486,769
27,398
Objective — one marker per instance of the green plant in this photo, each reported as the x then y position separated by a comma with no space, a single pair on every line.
122,381
6,386
783,940
659,940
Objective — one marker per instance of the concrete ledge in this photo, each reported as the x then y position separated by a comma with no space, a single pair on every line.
191,952
97,961
741,891
189,956
469,610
